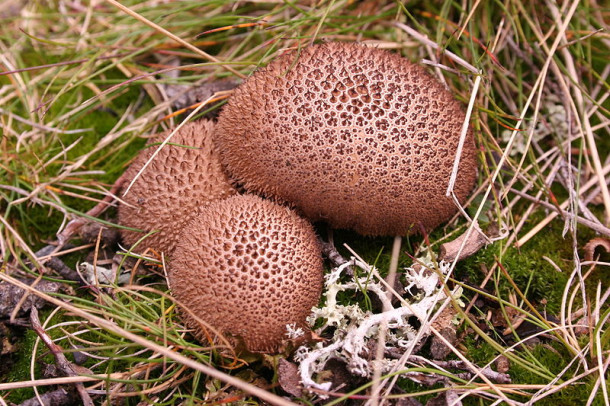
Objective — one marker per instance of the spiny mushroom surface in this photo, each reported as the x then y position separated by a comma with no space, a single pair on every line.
359,137
249,268
179,181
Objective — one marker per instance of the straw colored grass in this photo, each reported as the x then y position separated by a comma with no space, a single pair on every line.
82,84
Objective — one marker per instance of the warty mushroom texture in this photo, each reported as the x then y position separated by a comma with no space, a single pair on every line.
250,268
355,136
185,176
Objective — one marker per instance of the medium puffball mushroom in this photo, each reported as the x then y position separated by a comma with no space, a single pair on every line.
250,268
185,176
355,136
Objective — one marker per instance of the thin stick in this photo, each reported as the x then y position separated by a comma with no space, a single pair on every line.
562,206
110,326
60,359
588,223
390,279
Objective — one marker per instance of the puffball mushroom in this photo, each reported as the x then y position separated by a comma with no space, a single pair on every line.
356,136
185,176
250,268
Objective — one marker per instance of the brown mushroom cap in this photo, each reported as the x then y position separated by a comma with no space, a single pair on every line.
356,136
181,179
248,267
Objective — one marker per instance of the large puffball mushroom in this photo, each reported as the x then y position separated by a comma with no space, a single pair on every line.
356,136
251,269
184,176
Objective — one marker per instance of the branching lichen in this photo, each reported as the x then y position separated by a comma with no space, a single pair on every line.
353,328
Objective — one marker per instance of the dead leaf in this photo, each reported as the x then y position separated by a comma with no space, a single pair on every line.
288,377
10,296
502,364
444,324
438,349
189,95
449,250
593,244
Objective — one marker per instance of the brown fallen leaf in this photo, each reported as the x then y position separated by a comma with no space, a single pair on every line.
449,250
502,364
438,349
188,95
10,296
444,324
593,244
288,377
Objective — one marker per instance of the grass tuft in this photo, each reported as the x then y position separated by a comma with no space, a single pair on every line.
83,84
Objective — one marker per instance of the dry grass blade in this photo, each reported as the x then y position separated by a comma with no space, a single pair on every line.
172,36
84,84
63,364
109,325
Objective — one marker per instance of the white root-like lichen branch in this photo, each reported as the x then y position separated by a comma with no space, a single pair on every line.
355,327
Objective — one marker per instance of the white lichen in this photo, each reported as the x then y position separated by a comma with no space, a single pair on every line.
353,327
98,275
293,332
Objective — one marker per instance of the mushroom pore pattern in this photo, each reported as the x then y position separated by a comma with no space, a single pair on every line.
249,267
355,136
180,179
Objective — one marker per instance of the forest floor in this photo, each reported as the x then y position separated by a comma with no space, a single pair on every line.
524,319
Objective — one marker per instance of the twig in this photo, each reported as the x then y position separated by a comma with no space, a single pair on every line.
330,251
63,270
75,225
588,223
111,326
590,183
458,364
60,359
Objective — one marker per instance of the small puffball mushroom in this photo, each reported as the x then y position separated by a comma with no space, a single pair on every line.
185,176
250,268
355,136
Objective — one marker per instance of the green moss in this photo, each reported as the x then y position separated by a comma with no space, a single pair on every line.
40,222
553,356
534,275
20,370
375,250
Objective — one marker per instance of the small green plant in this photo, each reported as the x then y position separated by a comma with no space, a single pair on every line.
82,85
